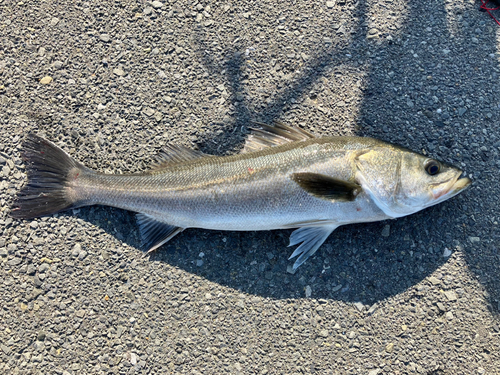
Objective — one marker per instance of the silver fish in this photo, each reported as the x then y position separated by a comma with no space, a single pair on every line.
284,177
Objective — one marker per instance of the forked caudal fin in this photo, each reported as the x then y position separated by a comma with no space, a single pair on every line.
50,171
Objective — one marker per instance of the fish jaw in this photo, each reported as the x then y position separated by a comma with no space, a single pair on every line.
449,189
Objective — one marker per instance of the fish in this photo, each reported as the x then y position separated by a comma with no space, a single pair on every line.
284,178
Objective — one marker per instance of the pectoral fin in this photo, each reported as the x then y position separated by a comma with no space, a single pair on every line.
155,233
327,187
312,238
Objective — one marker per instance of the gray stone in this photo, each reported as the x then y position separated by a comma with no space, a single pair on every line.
5,170
441,307
474,239
157,4
434,280
76,250
37,281
446,252
39,346
386,232
308,291
105,38
359,306
14,261
323,333
451,295
5,349
43,267
149,112
31,269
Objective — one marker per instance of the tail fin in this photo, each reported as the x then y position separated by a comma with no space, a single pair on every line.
50,171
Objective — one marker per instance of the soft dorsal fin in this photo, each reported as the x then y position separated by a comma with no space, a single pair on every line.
264,136
327,187
155,233
172,154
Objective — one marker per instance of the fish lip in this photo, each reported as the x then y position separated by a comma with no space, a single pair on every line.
453,187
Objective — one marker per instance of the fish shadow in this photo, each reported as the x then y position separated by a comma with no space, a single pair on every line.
360,263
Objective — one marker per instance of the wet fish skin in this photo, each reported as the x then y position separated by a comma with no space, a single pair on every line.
283,178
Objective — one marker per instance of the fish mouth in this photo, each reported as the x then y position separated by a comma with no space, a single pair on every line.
451,188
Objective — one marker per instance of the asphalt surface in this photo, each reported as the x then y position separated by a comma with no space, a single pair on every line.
113,81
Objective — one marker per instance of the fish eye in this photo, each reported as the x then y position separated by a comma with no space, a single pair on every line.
432,167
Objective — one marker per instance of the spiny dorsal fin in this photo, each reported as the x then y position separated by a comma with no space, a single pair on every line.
264,136
172,154
327,187
155,233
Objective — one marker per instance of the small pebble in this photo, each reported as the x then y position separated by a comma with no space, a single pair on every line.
104,38
43,267
308,291
434,280
451,295
14,261
359,306
446,252
46,80
323,333
474,239
76,250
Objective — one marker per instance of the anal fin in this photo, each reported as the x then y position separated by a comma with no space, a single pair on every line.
312,238
155,233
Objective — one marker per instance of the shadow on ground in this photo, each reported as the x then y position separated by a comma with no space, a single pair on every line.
358,263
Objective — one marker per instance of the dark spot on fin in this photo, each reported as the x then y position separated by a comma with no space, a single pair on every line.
155,233
327,187
312,238
173,154
264,136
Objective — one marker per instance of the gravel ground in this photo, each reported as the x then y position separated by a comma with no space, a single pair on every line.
113,81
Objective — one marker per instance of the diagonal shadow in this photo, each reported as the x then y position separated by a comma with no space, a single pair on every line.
389,262
356,263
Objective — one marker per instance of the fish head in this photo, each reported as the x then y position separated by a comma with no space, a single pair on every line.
402,182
